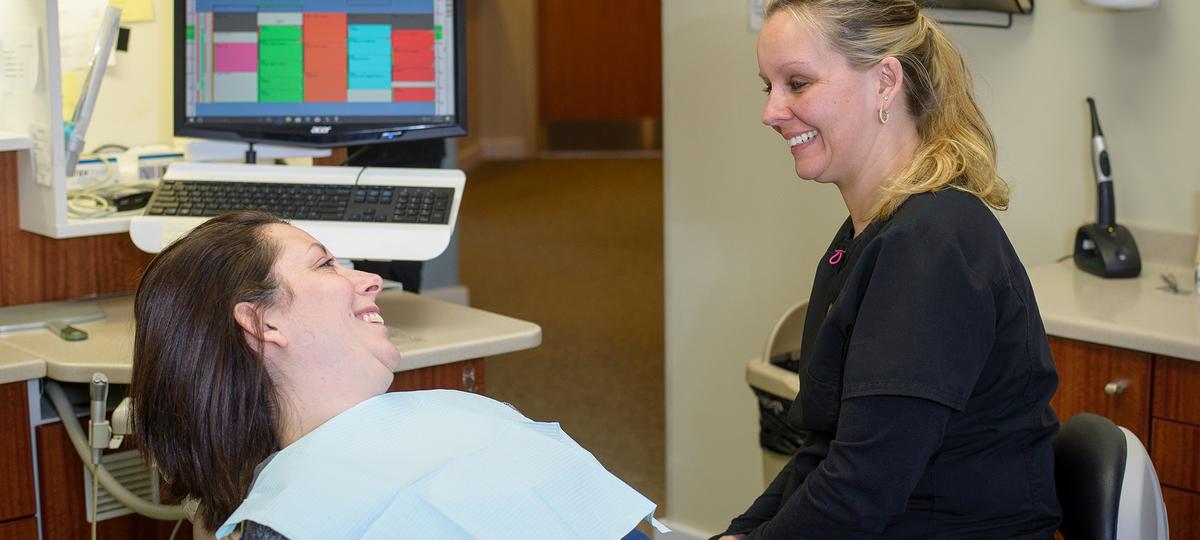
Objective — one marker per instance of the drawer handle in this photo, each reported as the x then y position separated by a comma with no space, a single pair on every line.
468,379
1116,388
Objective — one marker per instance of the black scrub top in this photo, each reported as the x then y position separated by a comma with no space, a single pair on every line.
926,378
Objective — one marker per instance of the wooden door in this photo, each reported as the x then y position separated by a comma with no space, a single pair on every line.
600,72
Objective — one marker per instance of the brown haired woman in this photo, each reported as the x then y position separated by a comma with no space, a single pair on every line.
259,368
925,373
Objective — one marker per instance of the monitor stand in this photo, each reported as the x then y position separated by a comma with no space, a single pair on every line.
209,150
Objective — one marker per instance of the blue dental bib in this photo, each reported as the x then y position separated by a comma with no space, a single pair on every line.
439,464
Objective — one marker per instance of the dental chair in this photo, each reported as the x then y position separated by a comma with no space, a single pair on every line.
1106,483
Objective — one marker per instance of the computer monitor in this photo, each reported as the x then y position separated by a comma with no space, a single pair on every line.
320,73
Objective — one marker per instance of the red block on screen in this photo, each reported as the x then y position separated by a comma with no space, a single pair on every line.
325,86
412,59
325,28
325,58
412,74
412,40
413,94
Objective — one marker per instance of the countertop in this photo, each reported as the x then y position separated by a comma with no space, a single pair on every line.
12,141
1132,313
18,365
427,332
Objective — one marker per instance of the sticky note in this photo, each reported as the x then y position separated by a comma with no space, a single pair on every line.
135,10
70,92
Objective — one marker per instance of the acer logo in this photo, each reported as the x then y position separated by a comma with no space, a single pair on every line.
320,130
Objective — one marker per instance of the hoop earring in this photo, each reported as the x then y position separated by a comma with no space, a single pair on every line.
883,115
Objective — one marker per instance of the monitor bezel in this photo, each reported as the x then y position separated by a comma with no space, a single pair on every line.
341,134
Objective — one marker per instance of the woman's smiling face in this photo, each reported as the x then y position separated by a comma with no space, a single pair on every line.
823,108
329,310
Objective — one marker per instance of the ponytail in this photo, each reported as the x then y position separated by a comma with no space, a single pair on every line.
957,149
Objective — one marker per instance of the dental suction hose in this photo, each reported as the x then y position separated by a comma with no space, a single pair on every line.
80,441
1106,212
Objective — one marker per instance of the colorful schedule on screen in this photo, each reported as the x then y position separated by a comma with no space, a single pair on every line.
319,60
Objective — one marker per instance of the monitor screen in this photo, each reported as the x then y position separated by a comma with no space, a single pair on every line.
320,72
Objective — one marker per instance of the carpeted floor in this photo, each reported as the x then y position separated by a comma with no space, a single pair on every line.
576,246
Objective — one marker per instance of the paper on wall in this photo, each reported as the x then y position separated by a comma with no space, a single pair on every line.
18,62
41,154
78,28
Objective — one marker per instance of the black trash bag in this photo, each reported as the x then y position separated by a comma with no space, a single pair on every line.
774,431
789,360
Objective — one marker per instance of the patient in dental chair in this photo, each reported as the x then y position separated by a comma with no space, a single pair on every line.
260,371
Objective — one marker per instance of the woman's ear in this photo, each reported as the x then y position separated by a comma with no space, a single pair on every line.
255,327
891,80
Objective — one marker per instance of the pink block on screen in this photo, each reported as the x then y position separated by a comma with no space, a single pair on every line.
235,57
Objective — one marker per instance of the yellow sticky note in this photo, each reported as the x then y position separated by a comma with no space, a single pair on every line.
134,10
70,93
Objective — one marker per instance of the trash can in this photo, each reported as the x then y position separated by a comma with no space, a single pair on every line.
775,387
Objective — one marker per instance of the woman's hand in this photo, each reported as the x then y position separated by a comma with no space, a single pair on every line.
733,537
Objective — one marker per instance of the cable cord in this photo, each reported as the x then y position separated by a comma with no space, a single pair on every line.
175,530
357,153
110,174
88,205
95,506
109,148
84,202
95,199
119,492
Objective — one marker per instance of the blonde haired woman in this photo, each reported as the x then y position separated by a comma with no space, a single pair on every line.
925,372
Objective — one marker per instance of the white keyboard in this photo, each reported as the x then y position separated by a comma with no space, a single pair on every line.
373,213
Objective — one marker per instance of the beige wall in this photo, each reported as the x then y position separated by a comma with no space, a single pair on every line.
507,72
134,106
743,234
502,80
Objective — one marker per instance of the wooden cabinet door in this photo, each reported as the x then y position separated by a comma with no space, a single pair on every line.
1174,454
41,269
466,375
64,509
16,454
1085,369
1183,507
24,529
1177,389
